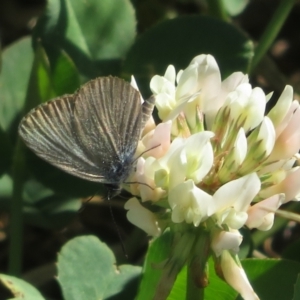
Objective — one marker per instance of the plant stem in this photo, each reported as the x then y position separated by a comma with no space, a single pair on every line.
216,9
16,222
192,291
271,31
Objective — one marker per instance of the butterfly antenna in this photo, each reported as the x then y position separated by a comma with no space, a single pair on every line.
116,226
145,152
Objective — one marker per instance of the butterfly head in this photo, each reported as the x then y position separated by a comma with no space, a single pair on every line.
113,190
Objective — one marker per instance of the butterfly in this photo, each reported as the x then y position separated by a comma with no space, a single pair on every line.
93,133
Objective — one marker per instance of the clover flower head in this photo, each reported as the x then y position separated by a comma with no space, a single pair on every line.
216,161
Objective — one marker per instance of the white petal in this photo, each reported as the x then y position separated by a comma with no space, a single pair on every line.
240,149
236,277
170,74
142,217
225,240
188,83
199,154
189,203
279,111
255,108
237,193
267,135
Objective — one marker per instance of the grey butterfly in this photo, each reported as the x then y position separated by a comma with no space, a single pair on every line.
92,134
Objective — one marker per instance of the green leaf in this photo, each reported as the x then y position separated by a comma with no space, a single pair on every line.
41,207
87,270
64,74
20,288
217,286
297,289
216,289
272,278
179,289
6,186
158,252
17,60
292,251
95,34
179,40
45,209
40,86
59,181
235,7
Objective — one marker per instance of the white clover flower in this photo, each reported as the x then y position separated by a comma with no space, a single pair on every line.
189,203
235,275
142,217
216,162
226,240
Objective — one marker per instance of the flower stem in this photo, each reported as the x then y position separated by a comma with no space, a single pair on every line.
271,31
16,222
216,9
192,291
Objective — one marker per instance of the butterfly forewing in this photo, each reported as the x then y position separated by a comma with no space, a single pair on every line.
92,134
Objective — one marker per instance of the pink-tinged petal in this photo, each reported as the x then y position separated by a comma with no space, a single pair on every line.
261,215
237,193
288,143
224,240
142,217
144,176
290,186
150,125
236,277
157,142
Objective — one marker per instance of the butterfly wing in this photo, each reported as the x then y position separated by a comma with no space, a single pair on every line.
49,131
92,134
117,118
